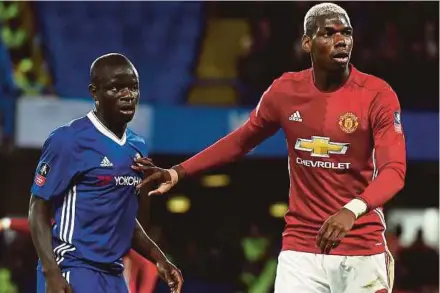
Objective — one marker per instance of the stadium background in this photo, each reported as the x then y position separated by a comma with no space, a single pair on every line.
203,66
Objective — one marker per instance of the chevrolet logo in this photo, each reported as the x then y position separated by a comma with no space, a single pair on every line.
321,146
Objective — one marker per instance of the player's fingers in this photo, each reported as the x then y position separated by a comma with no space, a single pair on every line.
325,238
163,188
136,168
143,168
178,277
146,171
339,237
179,284
320,234
154,192
151,178
144,161
170,280
177,288
143,165
331,239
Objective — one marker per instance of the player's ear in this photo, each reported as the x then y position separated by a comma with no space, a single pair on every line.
92,90
306,43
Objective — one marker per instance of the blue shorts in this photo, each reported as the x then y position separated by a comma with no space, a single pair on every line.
83,280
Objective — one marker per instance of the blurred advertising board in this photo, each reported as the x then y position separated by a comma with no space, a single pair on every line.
414,221
185,130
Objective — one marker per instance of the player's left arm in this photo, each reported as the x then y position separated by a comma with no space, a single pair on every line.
389,151
146,247
390,168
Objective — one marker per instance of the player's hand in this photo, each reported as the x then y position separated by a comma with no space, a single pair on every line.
171,275
165,178
55,283
334,229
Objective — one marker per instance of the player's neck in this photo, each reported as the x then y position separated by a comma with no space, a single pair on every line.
117,128
328,81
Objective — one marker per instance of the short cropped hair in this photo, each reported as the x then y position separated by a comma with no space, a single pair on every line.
110,59
322,9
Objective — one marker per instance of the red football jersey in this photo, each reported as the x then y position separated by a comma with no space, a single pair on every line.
342,145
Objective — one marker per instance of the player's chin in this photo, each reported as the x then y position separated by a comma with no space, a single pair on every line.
333,66
339,63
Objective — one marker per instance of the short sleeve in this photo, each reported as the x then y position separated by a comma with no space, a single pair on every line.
140,144
56,167
144,148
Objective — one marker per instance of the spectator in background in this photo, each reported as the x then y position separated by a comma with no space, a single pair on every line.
6,284
18,43
8,91
387,57
253,68
422,278
259,266
7,86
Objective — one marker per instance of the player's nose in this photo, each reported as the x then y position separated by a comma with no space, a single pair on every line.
339,41
126,95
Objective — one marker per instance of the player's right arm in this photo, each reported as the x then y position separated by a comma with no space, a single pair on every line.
52,178
39,219
262,123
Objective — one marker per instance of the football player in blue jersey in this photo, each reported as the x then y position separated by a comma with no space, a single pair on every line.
85,185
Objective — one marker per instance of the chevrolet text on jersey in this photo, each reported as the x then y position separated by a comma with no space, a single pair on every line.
322,164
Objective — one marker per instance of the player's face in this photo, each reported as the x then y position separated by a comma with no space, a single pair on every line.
119,94
332,43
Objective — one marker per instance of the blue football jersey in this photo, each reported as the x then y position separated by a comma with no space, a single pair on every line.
85,171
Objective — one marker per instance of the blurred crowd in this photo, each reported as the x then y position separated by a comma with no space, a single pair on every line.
401,48
397,41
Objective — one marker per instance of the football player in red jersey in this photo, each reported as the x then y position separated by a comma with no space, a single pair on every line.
140,274
346,153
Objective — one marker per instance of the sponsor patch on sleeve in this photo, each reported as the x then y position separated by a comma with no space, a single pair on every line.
43,170
397,122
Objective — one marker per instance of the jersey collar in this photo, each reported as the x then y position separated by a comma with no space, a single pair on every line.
104,130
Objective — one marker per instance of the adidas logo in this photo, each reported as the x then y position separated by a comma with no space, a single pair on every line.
295,117
106,163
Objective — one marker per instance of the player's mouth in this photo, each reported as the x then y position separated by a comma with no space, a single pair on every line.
127,105
127,110
341,57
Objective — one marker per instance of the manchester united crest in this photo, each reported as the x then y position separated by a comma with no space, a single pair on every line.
348,122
